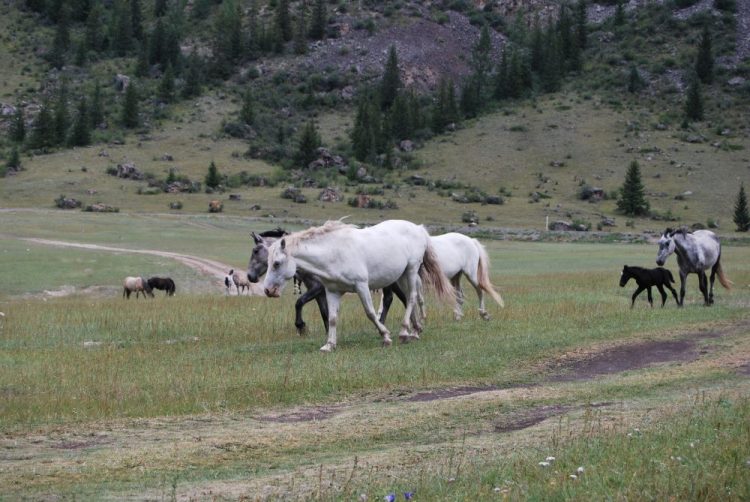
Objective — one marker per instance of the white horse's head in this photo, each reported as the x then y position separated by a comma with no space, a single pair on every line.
281,268
666,247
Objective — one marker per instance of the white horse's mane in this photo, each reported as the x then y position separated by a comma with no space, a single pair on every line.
296,238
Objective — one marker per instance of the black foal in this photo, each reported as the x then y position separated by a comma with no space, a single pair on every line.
646,278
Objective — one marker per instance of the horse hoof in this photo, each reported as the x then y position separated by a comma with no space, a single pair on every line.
404,338
327,348
485,316
302,330
387,341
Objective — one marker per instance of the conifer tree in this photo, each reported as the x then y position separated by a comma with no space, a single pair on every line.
283,20
632,201
61,42
80,134
704,63
580,22
43,131
157,43
227,37
129,115
741,212
309,142
61,115
94,35
694,101
160,8
122,28
201,9
400,119
193,76
551,71
619,17
501,77
300,33
253,30
470,98
136,19
391,82
481,61
14,160
319,20
96,113
536,50
166,85
247,112
213,178
635,82
142,66
366,134
17,131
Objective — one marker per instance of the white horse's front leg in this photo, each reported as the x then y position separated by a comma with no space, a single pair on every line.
334,300
363,291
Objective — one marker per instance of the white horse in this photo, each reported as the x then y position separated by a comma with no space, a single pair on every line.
137,284
349,259
240,281
460,255
696,252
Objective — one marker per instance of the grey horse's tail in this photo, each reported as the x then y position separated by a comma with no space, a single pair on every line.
432,275
723,279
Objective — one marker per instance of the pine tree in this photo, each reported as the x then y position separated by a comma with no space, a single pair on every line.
300,34
227,37
122,29
580,21
481,62
619,18
470,98
142,67
632,201
319,20
253,30
157,43
61,42
94,35
193,76
551,70
283,20
391,82
129,114
399,119
635,82
160,8
201,9
501,77
247,112
43,132
136,19
213,178
309,142
741,213
61,115
704,63
365,135
96,113
166,85
81,132
694,101
17,131
14,160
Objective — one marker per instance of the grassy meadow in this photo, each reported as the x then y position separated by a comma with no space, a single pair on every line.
205,395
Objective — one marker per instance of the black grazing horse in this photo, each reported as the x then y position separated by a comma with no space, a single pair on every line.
258,265
163,284
646,278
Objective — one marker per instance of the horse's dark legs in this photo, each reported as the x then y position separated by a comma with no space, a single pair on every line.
663,294
713,278
683,278
650,298
387,300
703,282
674,293
312,293
635,295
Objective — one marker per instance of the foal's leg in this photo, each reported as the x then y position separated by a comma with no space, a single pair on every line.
663,294
635,295
309,295
650,298
334,300
363,291
674,293
385,303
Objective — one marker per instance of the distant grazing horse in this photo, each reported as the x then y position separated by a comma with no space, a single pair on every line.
349,259
137,284
258,265
163,284
696,252
238,279
458,256
647,278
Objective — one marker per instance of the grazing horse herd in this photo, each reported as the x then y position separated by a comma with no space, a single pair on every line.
401,258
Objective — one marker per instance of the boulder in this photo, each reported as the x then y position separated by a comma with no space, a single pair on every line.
330,194
215,206
129,171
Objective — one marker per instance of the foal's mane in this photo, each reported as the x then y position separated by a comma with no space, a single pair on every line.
314,232
275,233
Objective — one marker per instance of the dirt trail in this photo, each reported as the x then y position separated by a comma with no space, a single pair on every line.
203,265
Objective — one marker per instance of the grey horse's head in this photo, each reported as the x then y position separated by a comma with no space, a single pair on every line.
258,264
666,247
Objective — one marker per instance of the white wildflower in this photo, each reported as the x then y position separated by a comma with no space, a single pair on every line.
573,477
550,459
544,464
580,470
496,489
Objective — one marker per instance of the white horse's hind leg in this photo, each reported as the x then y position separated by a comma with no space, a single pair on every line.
458,311
363,291
412,295
334,300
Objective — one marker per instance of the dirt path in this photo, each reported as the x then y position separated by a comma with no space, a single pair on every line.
203,265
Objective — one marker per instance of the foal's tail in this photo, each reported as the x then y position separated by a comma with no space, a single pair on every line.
669,276
432,275
483,274
723,279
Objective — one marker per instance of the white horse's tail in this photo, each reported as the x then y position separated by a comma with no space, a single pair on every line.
723,279
432,275
483,274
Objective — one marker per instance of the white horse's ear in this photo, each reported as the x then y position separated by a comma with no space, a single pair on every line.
256,237
283,244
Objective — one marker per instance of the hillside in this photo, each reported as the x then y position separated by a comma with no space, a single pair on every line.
534,153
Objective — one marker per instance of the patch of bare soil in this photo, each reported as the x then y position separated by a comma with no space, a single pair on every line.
744,369
302,415
530,418
434,395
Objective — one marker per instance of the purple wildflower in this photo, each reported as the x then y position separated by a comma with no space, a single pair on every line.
408,495
391,497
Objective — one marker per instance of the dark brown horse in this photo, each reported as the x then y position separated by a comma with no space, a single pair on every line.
162,284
